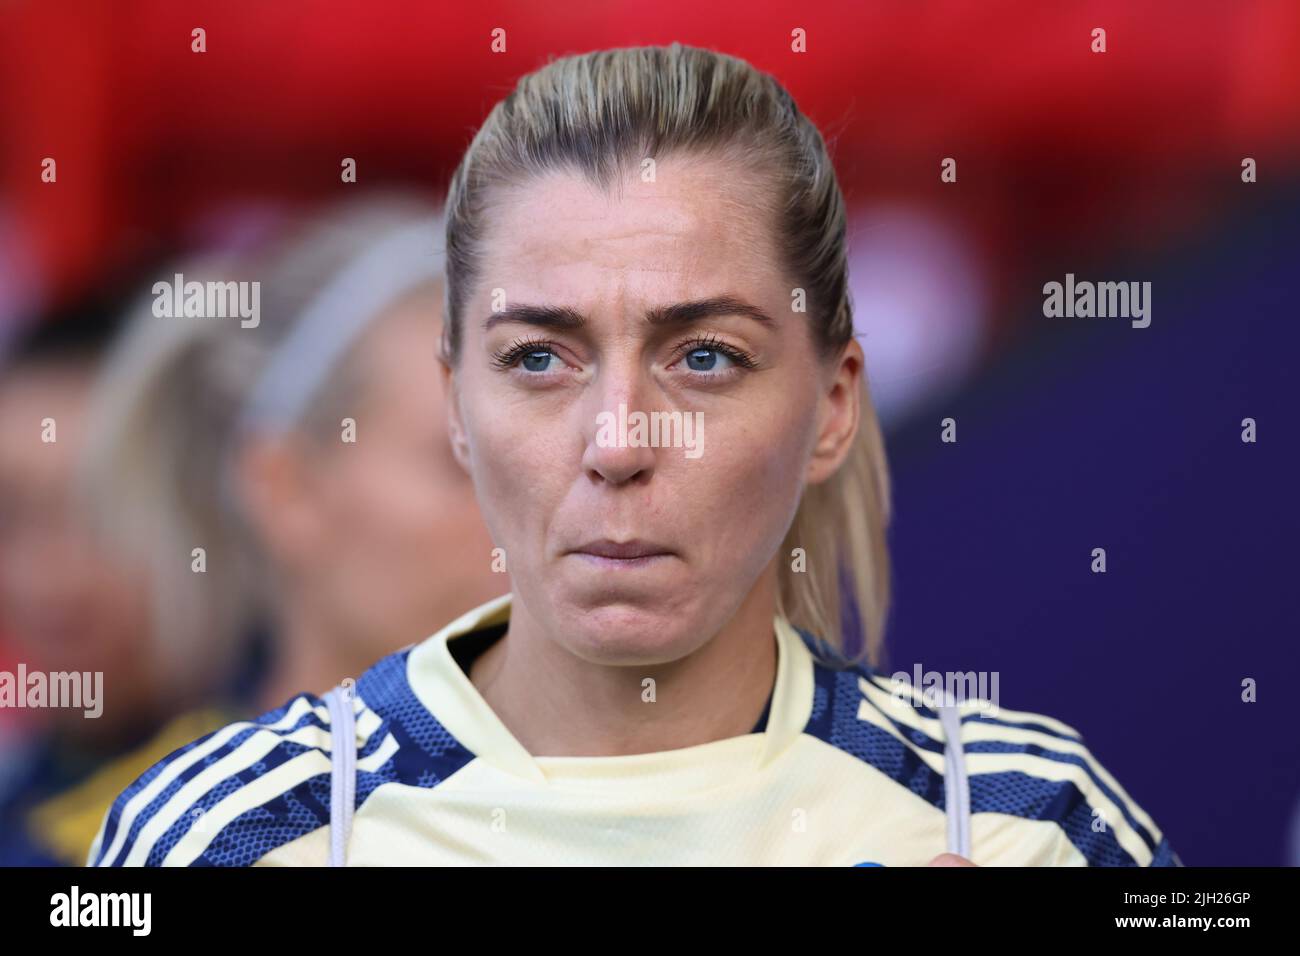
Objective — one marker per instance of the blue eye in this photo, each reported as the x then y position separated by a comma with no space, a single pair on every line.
529,360
702,355
535,356
706,357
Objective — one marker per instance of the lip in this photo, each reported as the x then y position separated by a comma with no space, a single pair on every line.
632,550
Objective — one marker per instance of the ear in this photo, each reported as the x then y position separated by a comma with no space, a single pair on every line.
455,423
274,488
838,414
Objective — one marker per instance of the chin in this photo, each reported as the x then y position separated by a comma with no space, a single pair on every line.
626,634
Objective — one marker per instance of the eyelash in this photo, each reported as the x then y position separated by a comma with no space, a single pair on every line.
712,343
509,356
517,349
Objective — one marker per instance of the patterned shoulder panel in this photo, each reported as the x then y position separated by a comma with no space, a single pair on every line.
234,795
1020,764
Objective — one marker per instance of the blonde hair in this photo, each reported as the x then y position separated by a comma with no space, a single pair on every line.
170,404
600,113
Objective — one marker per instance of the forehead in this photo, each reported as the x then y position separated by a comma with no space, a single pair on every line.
702,226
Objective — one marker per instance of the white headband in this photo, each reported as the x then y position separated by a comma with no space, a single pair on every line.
332,322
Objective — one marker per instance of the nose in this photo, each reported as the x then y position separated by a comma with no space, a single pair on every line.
617,451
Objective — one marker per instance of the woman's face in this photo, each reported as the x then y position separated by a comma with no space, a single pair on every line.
68,602
380,538
533,426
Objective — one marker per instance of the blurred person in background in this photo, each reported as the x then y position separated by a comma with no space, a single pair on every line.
70,604
305,452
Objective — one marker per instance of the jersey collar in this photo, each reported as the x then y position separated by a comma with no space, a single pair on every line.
448,693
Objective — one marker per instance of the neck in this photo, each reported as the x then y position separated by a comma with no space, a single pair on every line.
309,656
557,704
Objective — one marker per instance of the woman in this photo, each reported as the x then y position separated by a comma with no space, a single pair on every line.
638,232
291,473
220,459
71,605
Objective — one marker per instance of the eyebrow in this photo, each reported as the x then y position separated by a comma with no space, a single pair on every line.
678,314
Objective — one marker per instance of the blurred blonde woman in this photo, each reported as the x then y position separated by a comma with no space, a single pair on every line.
636,232
293,469
288,482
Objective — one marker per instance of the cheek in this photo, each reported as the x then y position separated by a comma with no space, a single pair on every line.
126,603
383,505
517,461
750,489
